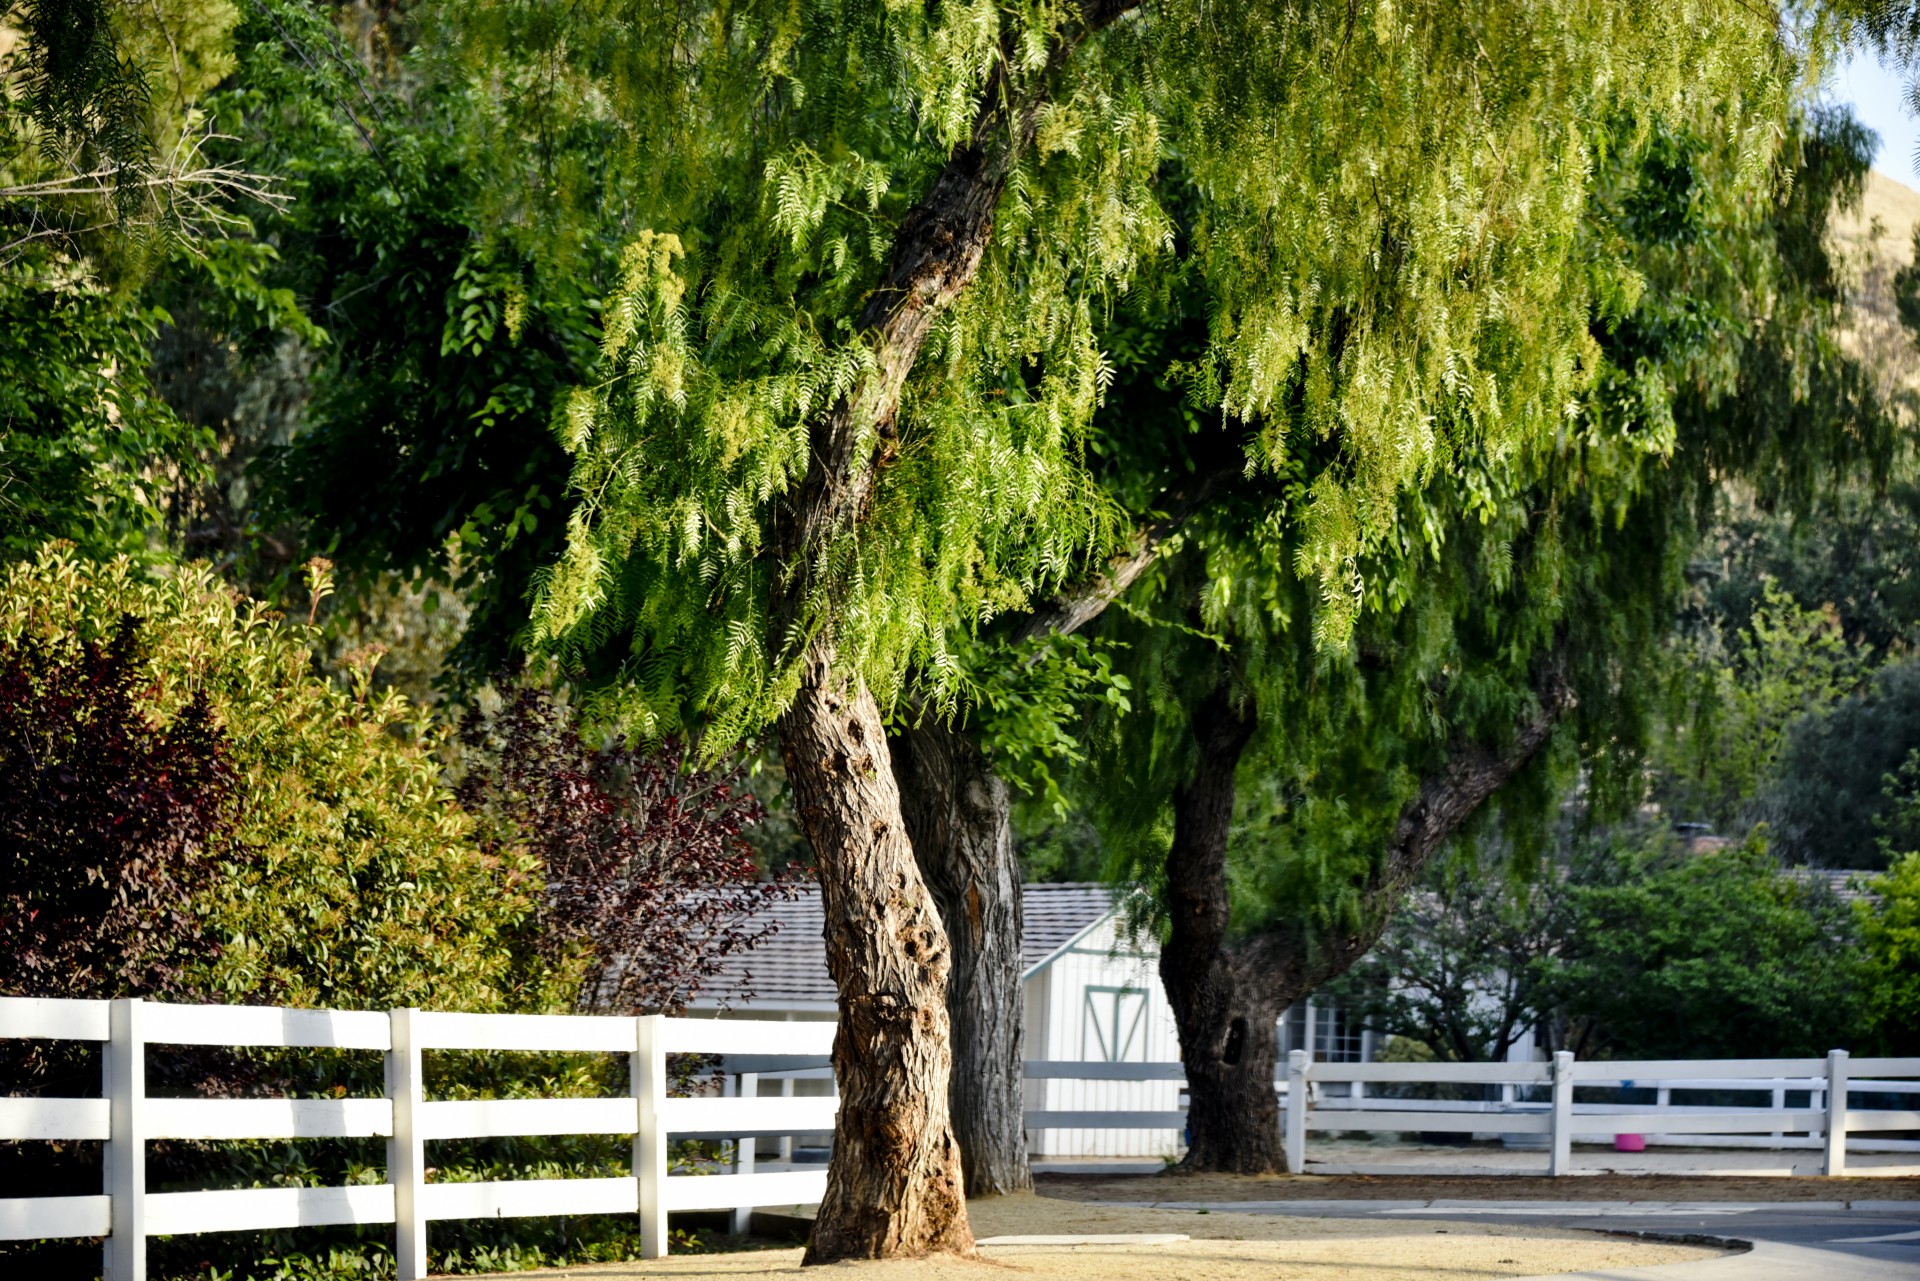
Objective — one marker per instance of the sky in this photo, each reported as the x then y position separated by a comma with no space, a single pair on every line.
1879,100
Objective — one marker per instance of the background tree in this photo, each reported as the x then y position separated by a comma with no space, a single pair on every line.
1668,954
1891,929
1627,944
1889,920
1739,704
1460,968
1826,800
1556,591
423,449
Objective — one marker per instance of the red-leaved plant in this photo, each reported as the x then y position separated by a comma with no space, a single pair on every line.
109,821
645,862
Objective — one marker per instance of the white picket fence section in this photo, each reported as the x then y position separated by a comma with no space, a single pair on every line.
1828,1120
125,1119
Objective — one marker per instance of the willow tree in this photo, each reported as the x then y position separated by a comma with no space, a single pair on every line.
1279,796
852,357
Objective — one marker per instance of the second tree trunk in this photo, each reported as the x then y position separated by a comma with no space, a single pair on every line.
958,815
1227,1027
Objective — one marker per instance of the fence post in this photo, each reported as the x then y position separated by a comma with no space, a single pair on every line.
648,1079
786,1140
1836,1162
1560,1159
743,1150
406,1150
1296,1139
124,1075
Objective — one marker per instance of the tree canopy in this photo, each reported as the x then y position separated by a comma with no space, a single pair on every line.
1385,208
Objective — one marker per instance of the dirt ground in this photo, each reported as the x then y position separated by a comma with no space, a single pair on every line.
1224,1247
1500,1187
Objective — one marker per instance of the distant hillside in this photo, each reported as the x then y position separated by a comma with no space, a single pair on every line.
1877,240
1891,204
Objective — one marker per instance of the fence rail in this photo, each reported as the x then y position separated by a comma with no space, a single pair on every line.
1827,1119
125,1119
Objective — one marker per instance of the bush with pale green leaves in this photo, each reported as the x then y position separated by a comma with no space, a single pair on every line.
351,878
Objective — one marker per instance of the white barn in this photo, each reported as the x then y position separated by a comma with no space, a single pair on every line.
1092,991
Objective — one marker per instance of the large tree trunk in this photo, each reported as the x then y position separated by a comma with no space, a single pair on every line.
894,1185
1232,1109
1226,1028
958,816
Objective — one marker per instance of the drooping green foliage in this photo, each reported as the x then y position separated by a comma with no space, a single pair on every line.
101,147
1385,207
78,89
1569,558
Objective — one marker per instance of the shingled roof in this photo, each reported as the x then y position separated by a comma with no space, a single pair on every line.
789,970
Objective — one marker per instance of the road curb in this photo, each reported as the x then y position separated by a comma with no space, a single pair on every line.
1403,1205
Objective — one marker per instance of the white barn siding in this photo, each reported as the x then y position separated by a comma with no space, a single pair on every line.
1060,1026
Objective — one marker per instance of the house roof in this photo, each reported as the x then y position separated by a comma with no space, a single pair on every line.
790,968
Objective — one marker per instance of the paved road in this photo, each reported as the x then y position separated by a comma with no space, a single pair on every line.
1793,1240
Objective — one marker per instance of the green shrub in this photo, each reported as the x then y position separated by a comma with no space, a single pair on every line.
351,878
335,870
1891,931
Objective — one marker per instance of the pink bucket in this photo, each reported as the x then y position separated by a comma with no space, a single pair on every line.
1629,1143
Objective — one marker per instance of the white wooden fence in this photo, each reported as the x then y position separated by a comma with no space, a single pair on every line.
1828,1119
125,1119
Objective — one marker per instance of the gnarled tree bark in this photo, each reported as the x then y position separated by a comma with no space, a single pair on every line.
894,1182
1235,1115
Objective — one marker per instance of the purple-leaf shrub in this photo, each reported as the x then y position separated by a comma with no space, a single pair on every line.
647,869
109,821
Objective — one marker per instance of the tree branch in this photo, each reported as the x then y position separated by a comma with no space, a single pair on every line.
1299,960
936,253
1082,600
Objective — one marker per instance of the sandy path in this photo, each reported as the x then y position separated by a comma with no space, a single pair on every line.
1225,1247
